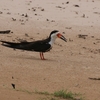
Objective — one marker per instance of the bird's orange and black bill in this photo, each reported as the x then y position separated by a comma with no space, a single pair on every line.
62,37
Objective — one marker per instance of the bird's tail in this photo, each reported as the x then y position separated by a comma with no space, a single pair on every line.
21,46
9,44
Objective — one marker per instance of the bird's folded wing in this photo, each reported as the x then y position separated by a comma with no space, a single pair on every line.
30,46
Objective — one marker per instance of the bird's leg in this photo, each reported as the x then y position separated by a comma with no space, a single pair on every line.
42,56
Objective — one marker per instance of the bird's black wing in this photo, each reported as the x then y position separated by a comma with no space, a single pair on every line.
39,46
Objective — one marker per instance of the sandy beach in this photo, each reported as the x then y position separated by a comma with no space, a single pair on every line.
73,65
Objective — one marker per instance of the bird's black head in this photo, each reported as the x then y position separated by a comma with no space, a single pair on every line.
55,31
54,34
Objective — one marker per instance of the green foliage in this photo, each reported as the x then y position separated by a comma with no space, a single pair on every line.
64,94
45,93
58,94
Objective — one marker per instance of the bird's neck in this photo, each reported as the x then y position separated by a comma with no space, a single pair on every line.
52,40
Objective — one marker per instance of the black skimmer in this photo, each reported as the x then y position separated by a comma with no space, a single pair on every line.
38,46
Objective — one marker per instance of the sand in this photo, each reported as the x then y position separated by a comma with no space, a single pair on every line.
72,66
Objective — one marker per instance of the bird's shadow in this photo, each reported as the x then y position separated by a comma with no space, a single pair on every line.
31,58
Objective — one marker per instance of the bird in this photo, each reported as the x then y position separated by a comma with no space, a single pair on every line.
41,46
